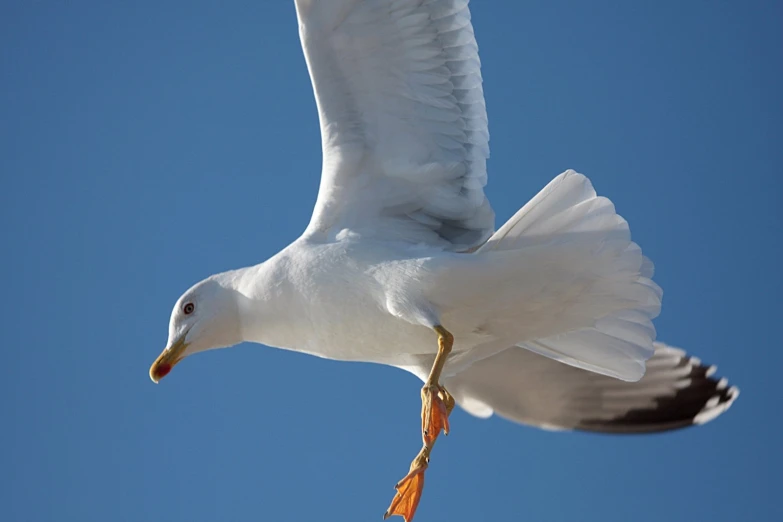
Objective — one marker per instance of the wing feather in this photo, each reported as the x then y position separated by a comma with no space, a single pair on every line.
403,120
676,391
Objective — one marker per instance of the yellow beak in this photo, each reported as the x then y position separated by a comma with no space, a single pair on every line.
168,358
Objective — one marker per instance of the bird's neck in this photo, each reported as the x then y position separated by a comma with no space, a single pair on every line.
263,293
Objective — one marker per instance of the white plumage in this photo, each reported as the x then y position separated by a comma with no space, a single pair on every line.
550,313
403,121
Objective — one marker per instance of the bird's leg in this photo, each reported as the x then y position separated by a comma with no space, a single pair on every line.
436,405
436,402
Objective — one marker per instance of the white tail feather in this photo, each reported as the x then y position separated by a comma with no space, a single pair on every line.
567,205
564,280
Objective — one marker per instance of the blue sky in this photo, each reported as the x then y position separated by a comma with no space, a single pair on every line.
144,146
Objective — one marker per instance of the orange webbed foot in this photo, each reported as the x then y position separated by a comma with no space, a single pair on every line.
437,404
409,489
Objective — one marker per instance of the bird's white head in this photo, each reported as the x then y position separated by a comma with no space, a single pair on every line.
205,317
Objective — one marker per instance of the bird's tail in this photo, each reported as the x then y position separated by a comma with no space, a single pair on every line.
562,278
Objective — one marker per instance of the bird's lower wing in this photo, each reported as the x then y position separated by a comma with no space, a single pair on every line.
676,391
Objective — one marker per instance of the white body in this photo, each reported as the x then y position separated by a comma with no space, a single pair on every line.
377,301
402,239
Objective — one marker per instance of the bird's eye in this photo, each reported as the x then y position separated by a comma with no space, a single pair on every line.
188,308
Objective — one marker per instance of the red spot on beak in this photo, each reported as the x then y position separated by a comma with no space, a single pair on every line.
159,370
162,370
167,360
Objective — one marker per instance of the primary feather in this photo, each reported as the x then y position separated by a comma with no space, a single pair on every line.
677,391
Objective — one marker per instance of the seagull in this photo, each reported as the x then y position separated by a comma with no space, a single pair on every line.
546,320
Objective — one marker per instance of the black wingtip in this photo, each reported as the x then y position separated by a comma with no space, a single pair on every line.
703,398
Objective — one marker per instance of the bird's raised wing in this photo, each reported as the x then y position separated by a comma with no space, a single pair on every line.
403,120
675,392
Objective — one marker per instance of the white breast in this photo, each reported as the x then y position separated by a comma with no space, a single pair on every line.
328,300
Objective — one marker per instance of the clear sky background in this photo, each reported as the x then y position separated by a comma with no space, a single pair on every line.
146,145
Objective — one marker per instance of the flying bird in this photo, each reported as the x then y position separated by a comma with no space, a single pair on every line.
546,321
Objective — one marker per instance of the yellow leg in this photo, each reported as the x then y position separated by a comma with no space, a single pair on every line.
437,404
